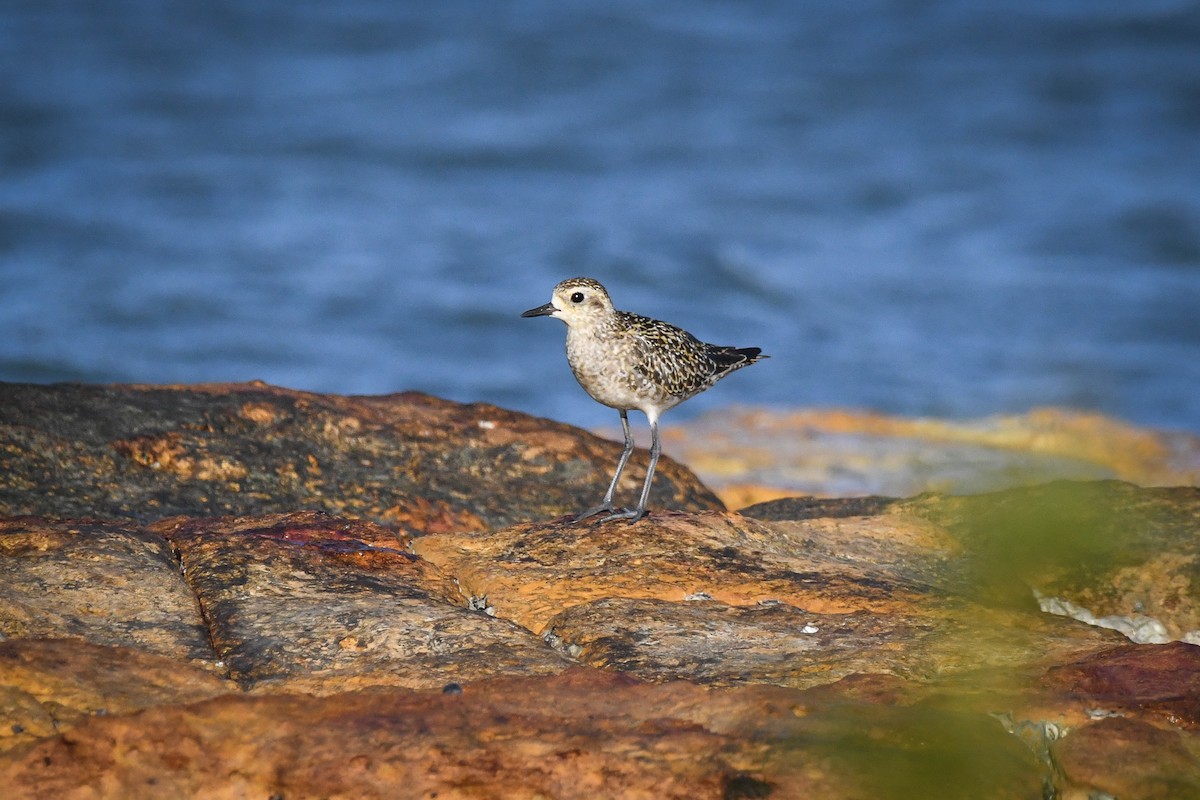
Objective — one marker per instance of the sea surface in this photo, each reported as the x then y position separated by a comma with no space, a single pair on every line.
927,208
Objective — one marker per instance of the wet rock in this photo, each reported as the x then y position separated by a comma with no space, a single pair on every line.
585,733
1105,552
1158,680
581,734
1129,759
306,602
408,461
106,583
1120,722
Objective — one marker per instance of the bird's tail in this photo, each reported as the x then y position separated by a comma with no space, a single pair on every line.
731,358
752,354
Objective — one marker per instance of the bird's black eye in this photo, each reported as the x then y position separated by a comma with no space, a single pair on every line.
577,297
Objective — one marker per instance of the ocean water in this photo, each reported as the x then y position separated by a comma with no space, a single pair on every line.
932,208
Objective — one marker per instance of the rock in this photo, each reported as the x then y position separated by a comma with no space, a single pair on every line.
408,461
1159,681
1129,759
109,584
581,734
51,685
447,632
585,733
1106,552
712,642
308,603
1130,722
798,508
724,599
530,573
752,455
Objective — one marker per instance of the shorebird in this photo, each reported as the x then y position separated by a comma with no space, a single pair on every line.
626,361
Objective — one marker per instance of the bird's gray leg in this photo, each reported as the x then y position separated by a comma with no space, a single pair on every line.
640,511
607,503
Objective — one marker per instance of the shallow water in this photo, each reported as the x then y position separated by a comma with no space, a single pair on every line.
923,208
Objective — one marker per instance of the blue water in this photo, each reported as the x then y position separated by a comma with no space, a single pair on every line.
939,208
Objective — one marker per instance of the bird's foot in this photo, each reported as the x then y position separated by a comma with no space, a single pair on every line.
633,515
591,512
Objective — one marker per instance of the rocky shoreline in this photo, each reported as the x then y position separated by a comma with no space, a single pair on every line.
245,591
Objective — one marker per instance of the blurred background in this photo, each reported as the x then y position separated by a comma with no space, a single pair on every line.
925,208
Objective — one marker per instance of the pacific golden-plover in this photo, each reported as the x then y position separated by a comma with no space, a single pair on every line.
627,361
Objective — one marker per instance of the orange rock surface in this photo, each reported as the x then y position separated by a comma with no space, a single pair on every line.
281,594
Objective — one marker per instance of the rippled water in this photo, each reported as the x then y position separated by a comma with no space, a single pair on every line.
946,208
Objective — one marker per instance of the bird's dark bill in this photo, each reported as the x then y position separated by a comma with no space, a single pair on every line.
540,311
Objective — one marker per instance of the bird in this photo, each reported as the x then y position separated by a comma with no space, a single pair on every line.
626,361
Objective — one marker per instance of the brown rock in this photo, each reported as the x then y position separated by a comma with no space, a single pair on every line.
50,685
306,602
712,642
723,599
407,461
530,573
1129,759
106,583
902,639
798,508
1158,680
578,735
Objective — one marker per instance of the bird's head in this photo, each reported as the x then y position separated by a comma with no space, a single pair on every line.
575,301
